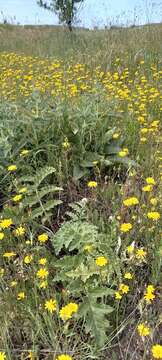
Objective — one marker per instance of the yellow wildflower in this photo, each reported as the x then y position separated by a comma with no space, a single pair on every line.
131,201
21,295
64,357
150,181
143,330
12,168
1,235
153,201
147,188
130,249
42,261
154,215
3,356
125,227
124,288
43,284
42,273
92,184
20,231
101,261
6,223
43,237
9,254
23,190
66,144
141,254
51,305
24,152
17,198
67,311
128,276
28,259
157,351
118,296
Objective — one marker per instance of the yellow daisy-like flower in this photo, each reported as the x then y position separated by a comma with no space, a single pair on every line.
154,215
141,254
128,276
149,294
64,357
23,190
21,295
125,227
147,188
143,330
2,355
43,284
118,296
115,135
43,237
122,153
20,231
17,198
157,351
101,261
42,273
150,181
67,311
88,248
24,152
12,168
124,288
131,201
28,259
42,261
51,305
92,184
153,201
6,223
9,254
130,249
13,283
1,235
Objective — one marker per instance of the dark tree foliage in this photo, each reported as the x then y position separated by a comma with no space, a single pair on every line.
65,9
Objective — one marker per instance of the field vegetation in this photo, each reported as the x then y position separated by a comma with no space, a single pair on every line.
80,209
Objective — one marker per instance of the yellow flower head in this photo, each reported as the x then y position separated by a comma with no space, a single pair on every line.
42,273
123,152
125,227
13,283
157,351
101,261
143,330
115,135
88,248
124,288
141,254
21,295
24,152
6,223
131,201
130,249
12,168
28,259
9,254
92,184
20,231
51,305
17,198
150,181
66,144
128,276
2,355
43,284
23,190
43,237
147,188
1,235
118,296
153,201
42,261
64,357
67,311
154,215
